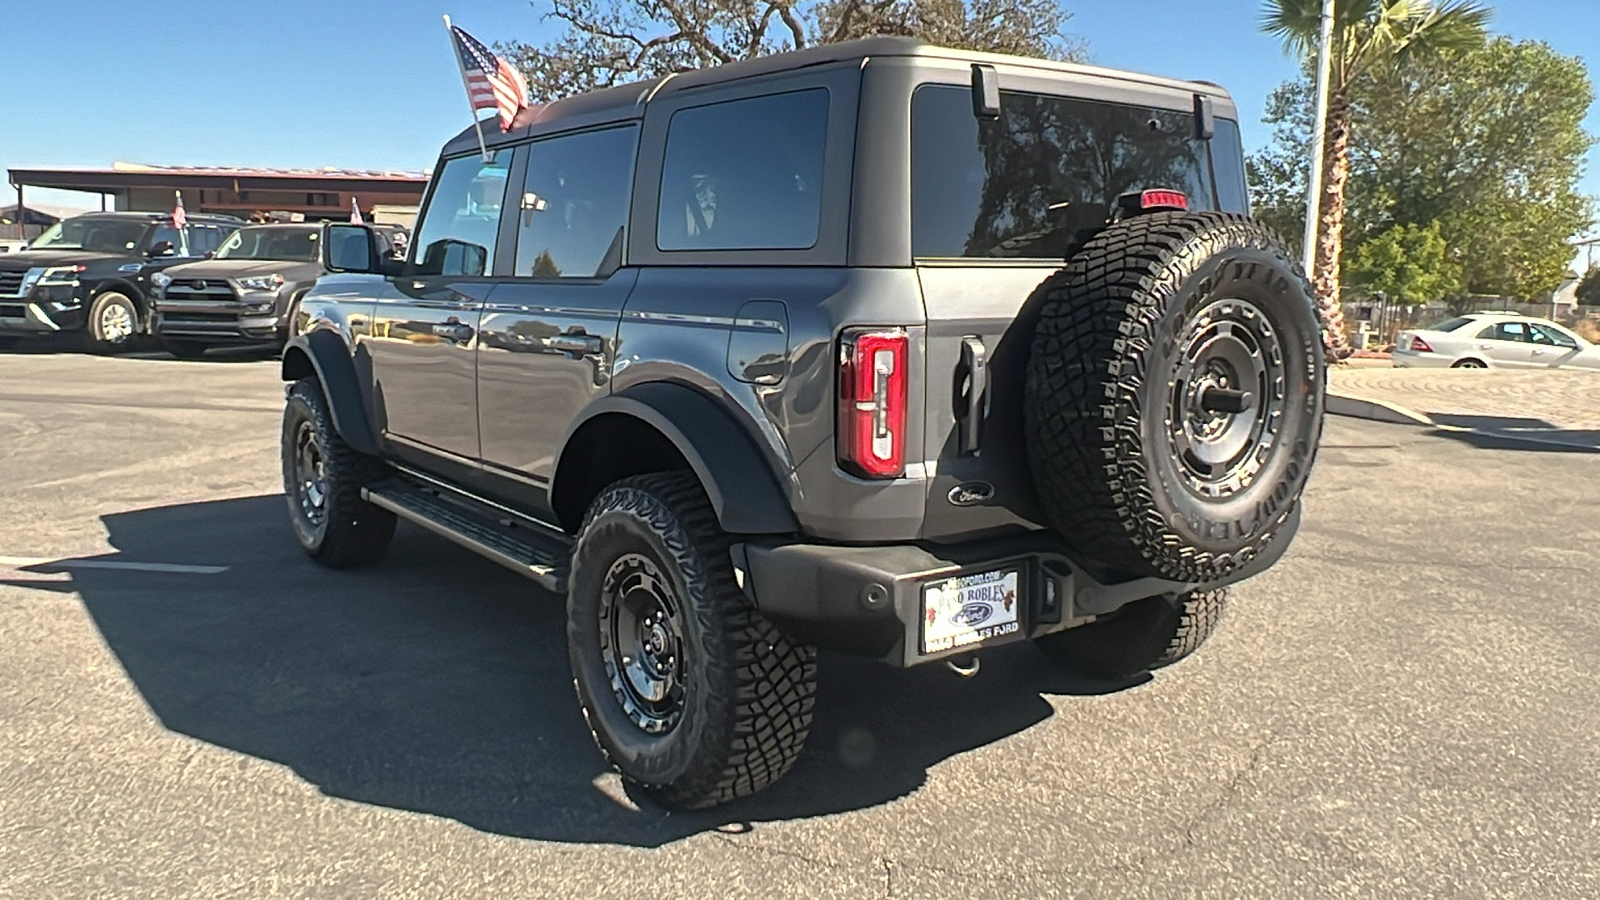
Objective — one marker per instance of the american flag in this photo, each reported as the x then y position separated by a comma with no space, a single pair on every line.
492,83
179,219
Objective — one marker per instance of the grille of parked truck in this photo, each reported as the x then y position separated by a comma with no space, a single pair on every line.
882,348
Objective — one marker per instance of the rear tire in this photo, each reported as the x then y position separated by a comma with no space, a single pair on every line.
322,481
1174,395
1469,364
690,692
1146,634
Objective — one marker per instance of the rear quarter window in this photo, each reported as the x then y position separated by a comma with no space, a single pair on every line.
1027,184
745,174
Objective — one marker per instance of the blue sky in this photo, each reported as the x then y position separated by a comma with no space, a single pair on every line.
372,83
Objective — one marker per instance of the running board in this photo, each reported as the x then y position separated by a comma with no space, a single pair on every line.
513,541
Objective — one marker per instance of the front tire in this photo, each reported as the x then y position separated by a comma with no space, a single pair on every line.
1146,634
689,691
322,481
113,321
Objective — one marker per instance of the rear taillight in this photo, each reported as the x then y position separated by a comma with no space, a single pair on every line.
1418,345
872,402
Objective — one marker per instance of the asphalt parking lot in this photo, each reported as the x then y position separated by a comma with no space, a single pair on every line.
1407,706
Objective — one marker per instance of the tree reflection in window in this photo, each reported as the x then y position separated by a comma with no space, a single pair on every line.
1026,184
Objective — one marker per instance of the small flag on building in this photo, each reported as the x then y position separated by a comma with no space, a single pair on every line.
492,83
355,213
179,219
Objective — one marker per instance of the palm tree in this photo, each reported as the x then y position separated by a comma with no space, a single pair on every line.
1369,36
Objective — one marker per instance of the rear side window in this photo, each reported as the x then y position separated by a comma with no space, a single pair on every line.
1026,184
574,202
1449,324
457,233
745,174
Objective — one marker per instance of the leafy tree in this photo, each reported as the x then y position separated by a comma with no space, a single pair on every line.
1589,288
1409,264
1277,173
1490,144
609,42
1369,36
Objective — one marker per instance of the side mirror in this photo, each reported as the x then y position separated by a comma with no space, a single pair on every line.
161,248
349,248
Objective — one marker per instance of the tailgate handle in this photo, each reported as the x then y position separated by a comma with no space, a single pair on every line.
972,388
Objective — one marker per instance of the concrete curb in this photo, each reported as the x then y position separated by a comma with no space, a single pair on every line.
1395,414
1375,410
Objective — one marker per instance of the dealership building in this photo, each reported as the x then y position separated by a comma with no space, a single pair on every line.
249,193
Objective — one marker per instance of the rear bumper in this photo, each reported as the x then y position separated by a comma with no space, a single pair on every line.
1407,359
867,601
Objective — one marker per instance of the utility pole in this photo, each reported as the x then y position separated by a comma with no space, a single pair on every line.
1319,137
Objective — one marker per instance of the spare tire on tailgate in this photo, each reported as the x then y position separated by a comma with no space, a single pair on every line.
1174,395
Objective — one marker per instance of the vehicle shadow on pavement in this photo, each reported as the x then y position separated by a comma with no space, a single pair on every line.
438,682
1516,433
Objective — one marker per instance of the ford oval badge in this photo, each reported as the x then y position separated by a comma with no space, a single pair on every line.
972,614
971,493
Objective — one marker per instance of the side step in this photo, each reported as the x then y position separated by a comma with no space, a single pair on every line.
512,540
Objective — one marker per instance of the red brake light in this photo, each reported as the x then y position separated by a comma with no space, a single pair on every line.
1163,199
1418,345
872,402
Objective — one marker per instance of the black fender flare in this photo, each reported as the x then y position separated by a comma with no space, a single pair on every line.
329,358
737,476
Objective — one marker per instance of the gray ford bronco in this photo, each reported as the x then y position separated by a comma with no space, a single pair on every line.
877,347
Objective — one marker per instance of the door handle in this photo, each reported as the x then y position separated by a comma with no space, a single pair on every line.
453,331
974,371
576,342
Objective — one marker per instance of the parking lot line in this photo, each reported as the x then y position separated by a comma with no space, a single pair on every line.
18,561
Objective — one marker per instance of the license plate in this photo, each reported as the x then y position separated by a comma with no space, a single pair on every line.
969,609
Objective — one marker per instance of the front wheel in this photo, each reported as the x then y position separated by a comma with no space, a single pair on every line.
1146,634
322,480
690,692
113,321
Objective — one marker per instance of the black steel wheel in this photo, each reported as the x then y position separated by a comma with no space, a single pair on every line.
1174,395
322,481
689,692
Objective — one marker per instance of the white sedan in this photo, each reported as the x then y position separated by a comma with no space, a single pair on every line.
1495,340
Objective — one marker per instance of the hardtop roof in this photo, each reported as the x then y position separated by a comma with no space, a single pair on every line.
628,101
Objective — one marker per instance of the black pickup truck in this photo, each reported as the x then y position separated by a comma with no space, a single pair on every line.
91,273
878,347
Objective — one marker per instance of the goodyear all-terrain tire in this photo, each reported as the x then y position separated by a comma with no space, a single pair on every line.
322,480
691,694
1144,635
1174,395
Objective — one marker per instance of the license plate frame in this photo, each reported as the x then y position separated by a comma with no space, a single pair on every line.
972,609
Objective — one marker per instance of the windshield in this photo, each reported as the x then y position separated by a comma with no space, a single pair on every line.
100,235
297,244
